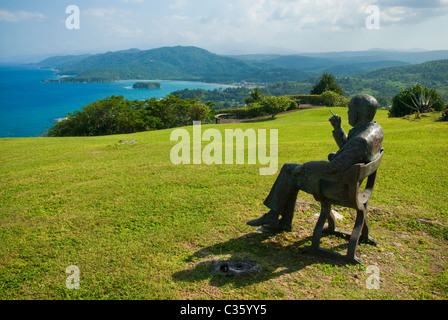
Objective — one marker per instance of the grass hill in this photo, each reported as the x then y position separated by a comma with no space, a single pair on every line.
139,227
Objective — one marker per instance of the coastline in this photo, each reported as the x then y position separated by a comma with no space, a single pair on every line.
80,80
70,78
29,113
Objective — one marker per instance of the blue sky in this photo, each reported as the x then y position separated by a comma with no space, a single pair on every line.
34,29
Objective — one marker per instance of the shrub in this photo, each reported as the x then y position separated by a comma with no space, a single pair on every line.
293,105
328,98
248,112
315,99
333,99
445,115
269,105
417,99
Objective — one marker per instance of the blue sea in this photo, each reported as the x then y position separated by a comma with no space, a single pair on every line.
29,106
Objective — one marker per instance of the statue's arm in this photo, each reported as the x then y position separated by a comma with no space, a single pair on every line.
352,152
340,137
338,133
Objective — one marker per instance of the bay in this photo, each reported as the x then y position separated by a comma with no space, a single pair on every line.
29,106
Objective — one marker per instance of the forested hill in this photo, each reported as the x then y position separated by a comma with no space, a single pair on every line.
432,72
389,81
192,63
279,75
383,84
168,63
346,63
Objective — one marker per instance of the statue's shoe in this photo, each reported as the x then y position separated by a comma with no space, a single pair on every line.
266,219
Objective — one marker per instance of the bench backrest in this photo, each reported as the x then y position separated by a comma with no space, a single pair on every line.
352,179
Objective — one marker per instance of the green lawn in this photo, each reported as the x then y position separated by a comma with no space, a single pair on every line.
139,227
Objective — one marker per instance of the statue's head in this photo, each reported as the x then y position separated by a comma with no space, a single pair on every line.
361,109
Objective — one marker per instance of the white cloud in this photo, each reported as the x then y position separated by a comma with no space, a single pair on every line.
20,15
291,24
108,14
396,14
113,22
177,4
411,11
268,20
275,22
303,25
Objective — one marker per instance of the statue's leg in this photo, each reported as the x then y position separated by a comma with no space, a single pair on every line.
285,223
281,200
285,186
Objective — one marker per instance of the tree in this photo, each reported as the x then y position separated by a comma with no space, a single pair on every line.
111,115
255,96
199,111
417,99
172,110
274,105
115,115
327,83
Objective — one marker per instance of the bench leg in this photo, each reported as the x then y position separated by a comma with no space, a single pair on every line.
331,222
325,211
360,233
355,236
365,234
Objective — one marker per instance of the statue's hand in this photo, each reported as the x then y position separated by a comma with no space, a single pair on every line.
335,121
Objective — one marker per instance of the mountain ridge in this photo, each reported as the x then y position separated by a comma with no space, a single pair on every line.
197,64
168,63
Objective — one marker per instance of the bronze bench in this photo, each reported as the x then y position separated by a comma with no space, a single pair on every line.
344,191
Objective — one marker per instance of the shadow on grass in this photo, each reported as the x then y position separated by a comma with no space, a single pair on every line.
274,259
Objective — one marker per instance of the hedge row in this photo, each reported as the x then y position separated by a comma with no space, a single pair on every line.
315,99
259,109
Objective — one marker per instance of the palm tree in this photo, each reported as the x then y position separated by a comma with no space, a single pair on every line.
255,96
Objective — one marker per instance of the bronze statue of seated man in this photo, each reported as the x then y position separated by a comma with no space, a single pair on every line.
361,145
